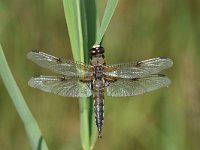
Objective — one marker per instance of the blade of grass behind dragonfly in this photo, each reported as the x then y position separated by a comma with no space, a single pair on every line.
91,20
109,11
81,22
31,126
73,19
77,29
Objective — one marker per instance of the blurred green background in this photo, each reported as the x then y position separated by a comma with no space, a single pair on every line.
167,119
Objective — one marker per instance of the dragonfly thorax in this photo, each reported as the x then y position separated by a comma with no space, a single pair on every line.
97,60
98,72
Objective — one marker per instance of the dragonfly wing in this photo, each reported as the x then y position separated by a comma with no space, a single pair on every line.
130,87
139,69
59,65
64,86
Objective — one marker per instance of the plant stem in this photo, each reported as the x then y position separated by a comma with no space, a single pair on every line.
31,126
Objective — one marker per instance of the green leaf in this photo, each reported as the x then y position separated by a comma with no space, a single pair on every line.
109,11
81,17
77,28
31,126
74,24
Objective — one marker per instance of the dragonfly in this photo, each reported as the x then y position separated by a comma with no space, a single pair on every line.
97,79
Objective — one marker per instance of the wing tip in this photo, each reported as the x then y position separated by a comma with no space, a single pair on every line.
167,82
29,54
30,81
170,61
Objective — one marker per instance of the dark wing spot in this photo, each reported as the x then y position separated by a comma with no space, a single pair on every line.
36,76
135,79
138,64
85,80
62,78
58,60
163,57
35,51
161,75
109,80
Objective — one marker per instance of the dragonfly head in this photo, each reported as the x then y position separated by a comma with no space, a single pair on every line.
96,50
97,55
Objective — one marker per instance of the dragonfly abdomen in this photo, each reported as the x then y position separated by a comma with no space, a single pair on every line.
98,95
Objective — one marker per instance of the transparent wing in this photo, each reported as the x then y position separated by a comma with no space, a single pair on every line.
131,87
139,69
59,65
64,86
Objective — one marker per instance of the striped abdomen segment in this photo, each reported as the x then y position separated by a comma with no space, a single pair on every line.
99,104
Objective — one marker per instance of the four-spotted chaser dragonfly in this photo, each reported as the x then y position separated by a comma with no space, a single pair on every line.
80,80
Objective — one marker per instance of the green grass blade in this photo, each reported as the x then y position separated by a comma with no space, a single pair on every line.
31,126
91,22
109,11
74,11
73,18
91,17
81,17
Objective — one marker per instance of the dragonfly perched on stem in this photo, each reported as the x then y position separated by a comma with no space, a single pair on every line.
96,78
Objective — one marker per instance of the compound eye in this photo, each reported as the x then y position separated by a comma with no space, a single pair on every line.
93,51
101,50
